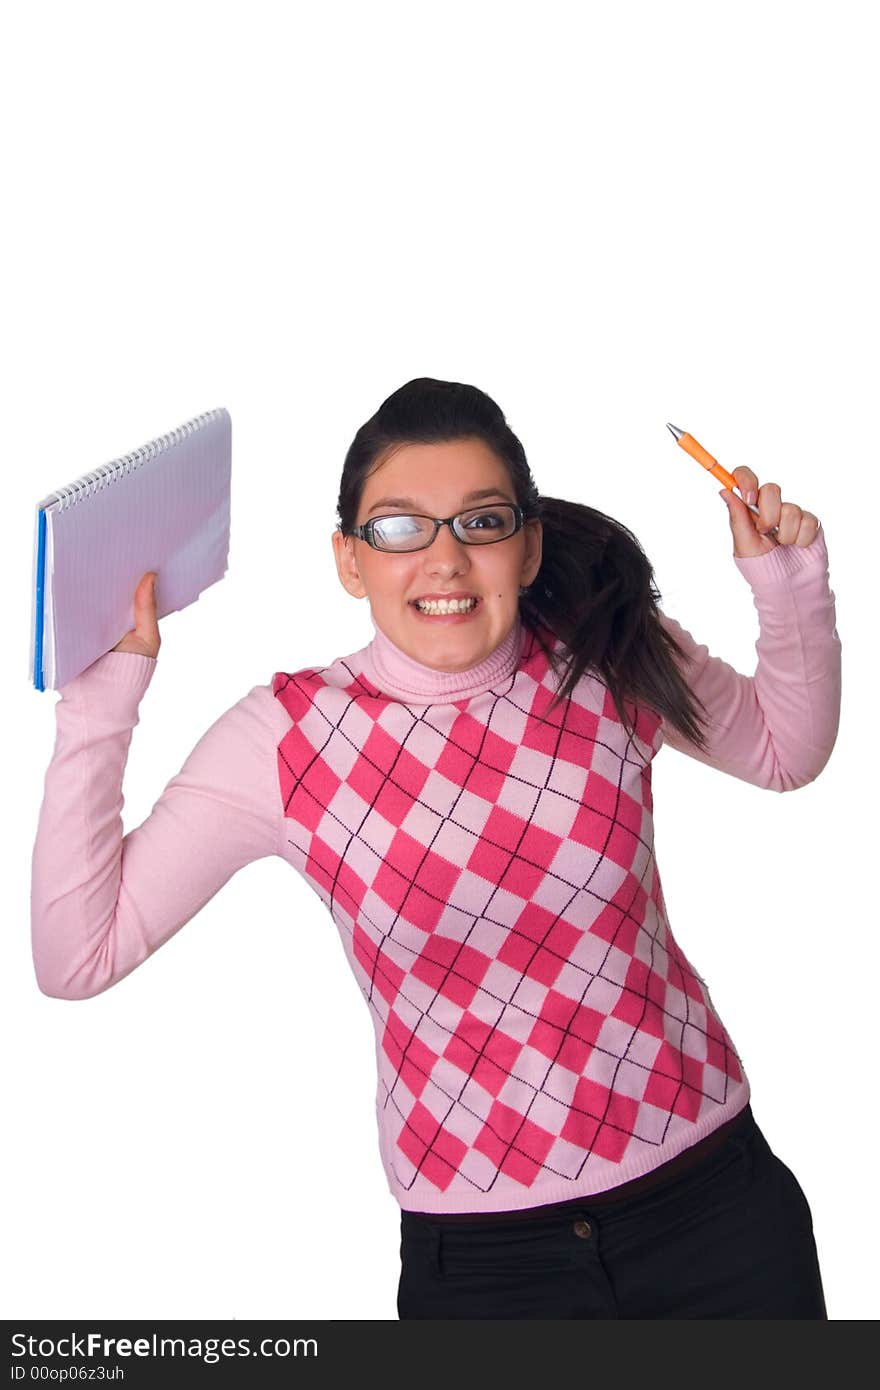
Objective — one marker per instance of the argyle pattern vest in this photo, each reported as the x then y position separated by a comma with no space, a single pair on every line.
490,868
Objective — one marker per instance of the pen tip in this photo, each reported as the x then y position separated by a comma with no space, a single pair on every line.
676,432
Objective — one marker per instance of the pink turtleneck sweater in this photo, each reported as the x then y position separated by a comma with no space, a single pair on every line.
490,870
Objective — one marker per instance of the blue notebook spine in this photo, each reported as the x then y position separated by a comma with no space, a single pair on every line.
38,611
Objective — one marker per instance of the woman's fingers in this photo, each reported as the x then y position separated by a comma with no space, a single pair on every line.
769,507
746,482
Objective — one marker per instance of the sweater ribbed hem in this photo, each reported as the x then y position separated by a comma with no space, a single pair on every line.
785,562
561,1189
128,671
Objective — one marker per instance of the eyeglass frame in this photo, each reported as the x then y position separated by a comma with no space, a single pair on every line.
365,532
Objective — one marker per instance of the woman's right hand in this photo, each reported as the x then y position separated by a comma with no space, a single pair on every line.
143,639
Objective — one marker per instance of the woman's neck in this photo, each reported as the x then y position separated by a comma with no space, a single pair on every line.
401,676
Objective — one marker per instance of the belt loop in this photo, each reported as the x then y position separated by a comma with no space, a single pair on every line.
436,1237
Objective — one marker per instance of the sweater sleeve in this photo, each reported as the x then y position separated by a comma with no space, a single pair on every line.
101,902
776,728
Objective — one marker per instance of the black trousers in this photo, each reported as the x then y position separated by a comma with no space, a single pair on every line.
729,1237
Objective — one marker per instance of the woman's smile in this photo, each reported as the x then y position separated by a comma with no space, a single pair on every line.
457,615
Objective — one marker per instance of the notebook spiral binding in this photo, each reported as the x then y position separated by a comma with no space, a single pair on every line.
110,472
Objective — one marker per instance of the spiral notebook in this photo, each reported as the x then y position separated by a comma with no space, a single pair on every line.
163,507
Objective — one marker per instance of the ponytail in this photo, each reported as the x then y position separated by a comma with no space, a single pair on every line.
595,592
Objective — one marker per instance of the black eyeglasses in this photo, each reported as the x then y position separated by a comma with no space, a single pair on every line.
477,526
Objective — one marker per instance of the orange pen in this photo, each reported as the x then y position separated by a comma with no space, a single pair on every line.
696,451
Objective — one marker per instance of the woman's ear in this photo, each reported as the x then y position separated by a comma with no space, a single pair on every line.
346,565
534,550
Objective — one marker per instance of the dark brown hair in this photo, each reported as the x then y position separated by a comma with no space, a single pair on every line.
595,589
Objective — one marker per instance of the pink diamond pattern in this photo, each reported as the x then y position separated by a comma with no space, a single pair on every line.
490,869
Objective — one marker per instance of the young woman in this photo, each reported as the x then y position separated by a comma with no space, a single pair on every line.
563,1117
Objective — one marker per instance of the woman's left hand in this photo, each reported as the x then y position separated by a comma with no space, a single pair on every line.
795,526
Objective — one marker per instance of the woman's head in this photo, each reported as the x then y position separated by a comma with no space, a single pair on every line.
440,479
570,571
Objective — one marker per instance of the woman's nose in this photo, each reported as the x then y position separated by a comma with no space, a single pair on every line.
446,549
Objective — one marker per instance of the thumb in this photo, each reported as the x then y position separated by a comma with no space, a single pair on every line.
145,621
746,540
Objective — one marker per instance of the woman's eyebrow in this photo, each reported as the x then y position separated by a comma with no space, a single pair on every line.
411,502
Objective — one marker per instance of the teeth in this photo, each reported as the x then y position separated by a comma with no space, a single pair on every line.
445,605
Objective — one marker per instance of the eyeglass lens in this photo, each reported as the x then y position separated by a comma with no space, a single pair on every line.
478,526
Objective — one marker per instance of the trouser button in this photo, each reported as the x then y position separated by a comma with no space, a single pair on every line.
583,1229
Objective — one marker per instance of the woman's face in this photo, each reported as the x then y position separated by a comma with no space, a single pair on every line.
438,480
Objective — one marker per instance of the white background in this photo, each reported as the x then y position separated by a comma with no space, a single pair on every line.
607,217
